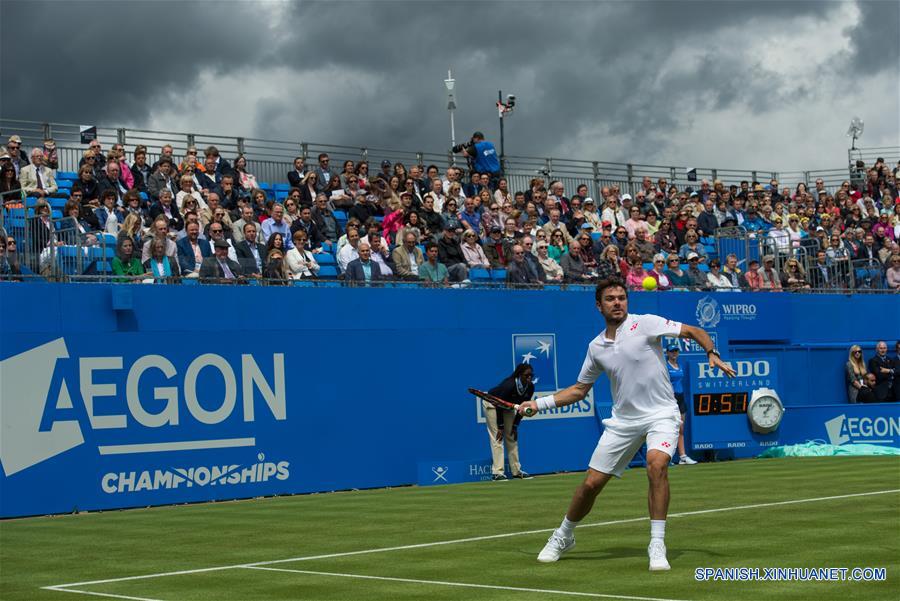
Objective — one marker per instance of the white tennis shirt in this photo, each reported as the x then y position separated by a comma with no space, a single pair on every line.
634,363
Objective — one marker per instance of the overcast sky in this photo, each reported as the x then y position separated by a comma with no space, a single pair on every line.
750,85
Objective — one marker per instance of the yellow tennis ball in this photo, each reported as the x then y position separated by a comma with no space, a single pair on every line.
649,283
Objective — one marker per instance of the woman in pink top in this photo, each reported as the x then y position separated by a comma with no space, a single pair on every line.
636,275
752,277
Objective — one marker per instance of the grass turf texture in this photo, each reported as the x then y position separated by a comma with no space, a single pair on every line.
609,559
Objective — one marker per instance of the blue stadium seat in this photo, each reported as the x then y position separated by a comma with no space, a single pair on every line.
266,186
379,218
282,187
325,259
340,215
280,195
67,259
703,267
479,275
329,247
144,196
648,266
328,272
30,201
66,175
55,214
596,235
110,240
498,275
57,203
97,253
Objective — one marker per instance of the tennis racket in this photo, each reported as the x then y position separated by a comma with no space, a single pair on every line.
498,402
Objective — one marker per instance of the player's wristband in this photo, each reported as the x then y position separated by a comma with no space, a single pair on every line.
546,402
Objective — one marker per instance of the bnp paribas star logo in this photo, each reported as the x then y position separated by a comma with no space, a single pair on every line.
708,314
538,351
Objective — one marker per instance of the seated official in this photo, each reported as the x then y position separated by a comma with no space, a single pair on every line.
300,262
192,250
363,269
219,266
408,258
251,254
159,263
432,271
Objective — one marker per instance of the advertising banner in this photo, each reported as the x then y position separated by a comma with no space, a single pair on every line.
115,396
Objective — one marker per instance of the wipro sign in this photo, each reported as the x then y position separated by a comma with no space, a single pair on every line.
48,401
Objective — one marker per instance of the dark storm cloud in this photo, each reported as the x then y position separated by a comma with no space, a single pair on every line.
874,42
574,66
103,62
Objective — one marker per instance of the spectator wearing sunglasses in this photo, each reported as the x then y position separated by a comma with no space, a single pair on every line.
473,251
855,370
17,156
677,276
657,272
552,270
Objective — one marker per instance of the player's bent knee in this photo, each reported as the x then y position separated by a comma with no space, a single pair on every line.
594,481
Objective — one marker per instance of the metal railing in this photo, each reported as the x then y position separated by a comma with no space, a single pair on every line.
890,154
67,251
270,160
109,278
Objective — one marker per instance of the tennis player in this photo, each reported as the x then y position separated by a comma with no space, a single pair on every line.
629,350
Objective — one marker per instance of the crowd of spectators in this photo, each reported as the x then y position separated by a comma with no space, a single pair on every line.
201,216
876,380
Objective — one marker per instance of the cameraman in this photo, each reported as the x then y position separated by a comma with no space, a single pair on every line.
482,157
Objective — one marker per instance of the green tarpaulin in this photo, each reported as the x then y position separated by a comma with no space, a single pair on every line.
817,449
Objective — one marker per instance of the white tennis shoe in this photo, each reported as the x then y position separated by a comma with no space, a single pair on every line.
555,547
685,460
657,553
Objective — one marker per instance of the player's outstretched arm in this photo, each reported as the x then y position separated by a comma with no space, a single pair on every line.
706,343
567,396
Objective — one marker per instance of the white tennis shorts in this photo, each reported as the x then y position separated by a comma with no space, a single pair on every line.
622,439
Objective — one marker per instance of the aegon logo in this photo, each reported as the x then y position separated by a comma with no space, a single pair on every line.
41,420
743,369
877,430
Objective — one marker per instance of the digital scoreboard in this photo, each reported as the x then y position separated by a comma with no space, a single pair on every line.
718,404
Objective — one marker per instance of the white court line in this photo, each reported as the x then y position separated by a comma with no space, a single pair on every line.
462,540
65,590
464,584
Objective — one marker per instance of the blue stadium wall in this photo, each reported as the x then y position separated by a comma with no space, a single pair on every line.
117,396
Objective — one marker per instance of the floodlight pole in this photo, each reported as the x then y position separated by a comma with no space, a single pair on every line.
500,110
451,106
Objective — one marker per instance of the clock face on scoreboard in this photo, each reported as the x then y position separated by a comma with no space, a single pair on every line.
720,403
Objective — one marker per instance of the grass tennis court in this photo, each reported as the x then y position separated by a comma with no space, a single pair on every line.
386,544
